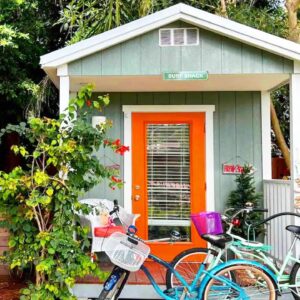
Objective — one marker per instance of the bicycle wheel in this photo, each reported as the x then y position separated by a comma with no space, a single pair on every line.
187,264
295,279
116,290
250,282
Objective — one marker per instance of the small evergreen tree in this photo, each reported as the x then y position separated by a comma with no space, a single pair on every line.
245,192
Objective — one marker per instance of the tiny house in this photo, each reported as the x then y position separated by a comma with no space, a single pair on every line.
190,96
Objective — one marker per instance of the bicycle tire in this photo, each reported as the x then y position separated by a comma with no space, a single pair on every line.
295,278
255,284
187,264
116,290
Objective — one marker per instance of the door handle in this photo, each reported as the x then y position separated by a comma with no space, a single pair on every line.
137,197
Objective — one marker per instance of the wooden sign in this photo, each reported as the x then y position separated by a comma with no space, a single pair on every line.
232,169
200,75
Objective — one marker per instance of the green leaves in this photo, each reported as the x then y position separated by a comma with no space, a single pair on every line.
49,191
40,200
40,178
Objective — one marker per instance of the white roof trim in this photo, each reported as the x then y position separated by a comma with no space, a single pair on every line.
182,12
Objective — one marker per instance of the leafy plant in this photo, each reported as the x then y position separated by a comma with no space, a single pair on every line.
39,202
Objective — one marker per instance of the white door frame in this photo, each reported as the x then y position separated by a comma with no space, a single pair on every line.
209,149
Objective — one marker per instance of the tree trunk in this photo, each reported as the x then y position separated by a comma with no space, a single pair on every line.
292,9
279,137
223,11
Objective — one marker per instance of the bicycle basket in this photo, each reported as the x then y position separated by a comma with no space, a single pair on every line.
207,222
126,252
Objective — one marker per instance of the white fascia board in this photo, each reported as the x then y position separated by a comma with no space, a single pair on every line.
242,32
250,36
182,12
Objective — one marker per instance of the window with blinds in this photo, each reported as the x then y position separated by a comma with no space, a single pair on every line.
168,170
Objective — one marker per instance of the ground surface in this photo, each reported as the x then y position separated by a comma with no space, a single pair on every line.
9,289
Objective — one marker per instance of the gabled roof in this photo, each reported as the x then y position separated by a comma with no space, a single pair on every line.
186,13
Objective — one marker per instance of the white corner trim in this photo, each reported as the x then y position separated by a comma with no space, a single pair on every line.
64,93
168,108
295,141
266,134
182,12
62,70
296,66
209,146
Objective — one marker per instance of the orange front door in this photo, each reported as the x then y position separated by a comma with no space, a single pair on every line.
168,181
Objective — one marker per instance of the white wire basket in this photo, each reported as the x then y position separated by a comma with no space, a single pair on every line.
126,252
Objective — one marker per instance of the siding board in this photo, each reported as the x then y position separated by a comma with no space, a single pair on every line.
177,98
91,65
150,54
251,60
194,98
244,127
131,63
288,66
227,142
75,68
111,61
145,98
216,54
211,52
191,58
272,63
237,131
170,59
231,57
161,98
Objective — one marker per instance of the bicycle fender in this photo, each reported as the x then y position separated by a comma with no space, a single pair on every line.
234,262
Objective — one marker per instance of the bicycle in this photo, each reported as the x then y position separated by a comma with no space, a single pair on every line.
239,279
242,249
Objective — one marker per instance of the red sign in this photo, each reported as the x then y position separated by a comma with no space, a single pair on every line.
232,169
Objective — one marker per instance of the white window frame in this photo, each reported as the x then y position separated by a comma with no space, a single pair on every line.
209,146
185,37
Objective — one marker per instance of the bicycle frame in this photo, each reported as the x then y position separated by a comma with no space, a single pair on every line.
188,288
196,289
261,256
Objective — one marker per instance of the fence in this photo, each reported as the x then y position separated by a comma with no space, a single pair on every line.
277,198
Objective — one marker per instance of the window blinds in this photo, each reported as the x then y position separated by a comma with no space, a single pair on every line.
168,171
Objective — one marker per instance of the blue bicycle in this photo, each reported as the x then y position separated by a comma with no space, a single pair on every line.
235,279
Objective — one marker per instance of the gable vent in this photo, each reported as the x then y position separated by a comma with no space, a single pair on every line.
178,36
192,36
165,37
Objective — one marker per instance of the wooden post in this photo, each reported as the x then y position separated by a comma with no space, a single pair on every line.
295,139
266,134
64,88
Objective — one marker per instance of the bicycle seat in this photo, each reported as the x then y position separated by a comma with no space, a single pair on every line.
218,240
293,228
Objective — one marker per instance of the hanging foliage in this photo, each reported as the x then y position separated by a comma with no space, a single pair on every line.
39,201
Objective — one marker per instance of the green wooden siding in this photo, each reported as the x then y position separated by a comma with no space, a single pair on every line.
237,133
215,53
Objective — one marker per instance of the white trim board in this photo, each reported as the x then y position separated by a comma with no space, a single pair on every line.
209,149
266,134
176,12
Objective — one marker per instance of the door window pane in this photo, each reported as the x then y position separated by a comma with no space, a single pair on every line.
168,173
